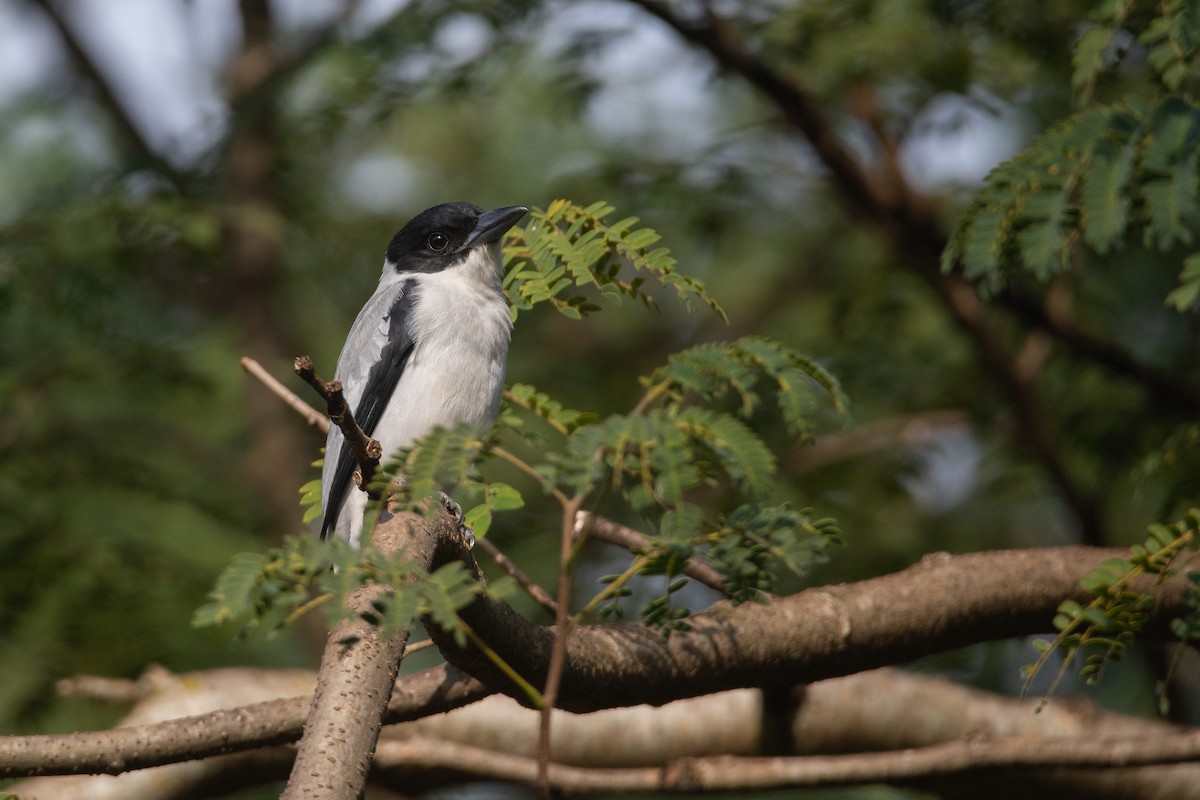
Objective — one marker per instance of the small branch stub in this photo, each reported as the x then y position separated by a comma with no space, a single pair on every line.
367,451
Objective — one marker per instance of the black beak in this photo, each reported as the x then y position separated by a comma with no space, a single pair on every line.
491,225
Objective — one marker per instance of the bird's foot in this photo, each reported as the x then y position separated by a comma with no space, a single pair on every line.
455,510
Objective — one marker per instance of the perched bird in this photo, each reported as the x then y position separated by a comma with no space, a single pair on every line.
428,348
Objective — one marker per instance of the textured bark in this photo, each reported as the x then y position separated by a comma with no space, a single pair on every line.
357,673
940,603
878,710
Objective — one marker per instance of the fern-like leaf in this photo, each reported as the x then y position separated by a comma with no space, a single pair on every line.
567,247
440,460
1094,177
712,370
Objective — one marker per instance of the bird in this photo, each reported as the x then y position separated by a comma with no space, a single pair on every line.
428,349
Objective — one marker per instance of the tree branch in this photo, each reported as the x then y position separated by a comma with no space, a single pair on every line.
734,773
313,417
228,730
357,673
909,221
942,602
1170,389
878,710
606,530
108,96
367,451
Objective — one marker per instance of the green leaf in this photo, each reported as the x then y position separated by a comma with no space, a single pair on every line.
234,591
1184,296
570,246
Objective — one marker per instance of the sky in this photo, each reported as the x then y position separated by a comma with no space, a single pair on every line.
166,59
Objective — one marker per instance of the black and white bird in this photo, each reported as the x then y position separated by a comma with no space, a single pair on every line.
428,349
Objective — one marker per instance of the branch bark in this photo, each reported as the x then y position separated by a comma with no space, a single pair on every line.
357,673
367,451
878,710
942,602
733,773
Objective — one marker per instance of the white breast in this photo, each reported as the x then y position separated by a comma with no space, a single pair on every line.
456,370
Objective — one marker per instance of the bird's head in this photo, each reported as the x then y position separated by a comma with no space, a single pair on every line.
446,235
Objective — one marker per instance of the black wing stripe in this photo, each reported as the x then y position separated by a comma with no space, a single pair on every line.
381,383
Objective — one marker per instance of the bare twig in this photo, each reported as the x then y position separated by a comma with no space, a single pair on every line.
558,649
607,530
96,687
869,438
538,594
311,415
367,451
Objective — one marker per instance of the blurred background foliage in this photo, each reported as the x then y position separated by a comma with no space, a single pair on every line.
138,263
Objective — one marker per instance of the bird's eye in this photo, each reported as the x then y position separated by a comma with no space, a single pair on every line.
437,242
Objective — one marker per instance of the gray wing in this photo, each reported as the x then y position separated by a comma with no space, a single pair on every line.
391,341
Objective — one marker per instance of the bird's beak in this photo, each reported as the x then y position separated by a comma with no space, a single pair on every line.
491,225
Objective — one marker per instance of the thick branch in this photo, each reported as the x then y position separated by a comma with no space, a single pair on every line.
255,724
733,773
878,710
357,673
942,602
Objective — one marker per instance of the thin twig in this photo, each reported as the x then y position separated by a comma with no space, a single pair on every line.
96,687
606,530
310,414
558,653
529,470
502,561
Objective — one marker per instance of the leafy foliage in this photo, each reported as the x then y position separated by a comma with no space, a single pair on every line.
1171,38
267,591
752,538
666,454
1104,626
711,370
659,457
569,246
445,460
1103,174
1092,179
1176,463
